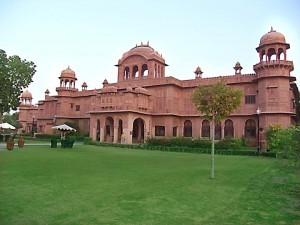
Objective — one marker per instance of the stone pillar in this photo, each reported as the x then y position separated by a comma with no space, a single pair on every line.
101,134
222,131
94,134
116,129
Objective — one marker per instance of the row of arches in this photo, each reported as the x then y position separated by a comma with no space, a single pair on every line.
66,83
137,71
113,130
270,54
250,129
134,72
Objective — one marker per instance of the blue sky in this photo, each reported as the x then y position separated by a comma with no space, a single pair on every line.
90,36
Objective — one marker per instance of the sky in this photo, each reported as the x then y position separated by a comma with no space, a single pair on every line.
91,36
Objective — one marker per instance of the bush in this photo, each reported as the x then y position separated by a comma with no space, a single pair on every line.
47,136
230,144
87,140
284,142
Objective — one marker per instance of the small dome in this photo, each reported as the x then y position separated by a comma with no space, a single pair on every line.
109,89
47,92
26,94
238,66
105,82
84,84
68,73
272,37
198,71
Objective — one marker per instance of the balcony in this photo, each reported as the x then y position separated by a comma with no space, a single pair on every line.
273,63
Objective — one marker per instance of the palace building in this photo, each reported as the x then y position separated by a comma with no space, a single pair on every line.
144,102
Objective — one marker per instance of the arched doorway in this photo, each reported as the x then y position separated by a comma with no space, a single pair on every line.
250,129
187,129
120,130
205,132
109,130
138,131
229,129
98,130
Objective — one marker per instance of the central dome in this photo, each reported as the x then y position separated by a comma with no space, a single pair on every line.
144,50
272,37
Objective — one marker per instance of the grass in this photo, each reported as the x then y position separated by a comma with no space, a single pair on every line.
97,185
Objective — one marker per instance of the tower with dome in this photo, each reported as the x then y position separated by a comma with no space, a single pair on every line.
145,102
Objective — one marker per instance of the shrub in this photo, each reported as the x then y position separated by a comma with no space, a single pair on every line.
284,142
230,144
87,140
46,136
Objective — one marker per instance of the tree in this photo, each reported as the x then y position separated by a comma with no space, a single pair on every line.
216,101
12,119
15,75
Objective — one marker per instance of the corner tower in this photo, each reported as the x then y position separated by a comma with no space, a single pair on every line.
141,62
273,79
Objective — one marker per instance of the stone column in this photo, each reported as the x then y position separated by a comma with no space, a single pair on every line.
222,131
102,134
116,129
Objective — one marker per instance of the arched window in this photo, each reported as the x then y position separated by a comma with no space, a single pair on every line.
126,73
187,131
205,131
250,128
144,70
281,54
271,54
135,71
228,129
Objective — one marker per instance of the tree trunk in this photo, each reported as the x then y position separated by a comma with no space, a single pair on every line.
212,172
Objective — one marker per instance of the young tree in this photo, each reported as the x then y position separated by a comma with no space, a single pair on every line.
15,75
216,101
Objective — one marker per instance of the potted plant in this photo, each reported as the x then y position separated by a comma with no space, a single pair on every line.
21,142
10,144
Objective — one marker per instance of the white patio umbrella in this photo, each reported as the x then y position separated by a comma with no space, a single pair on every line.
64,128
7,126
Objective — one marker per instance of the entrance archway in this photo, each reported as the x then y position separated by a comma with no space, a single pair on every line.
138,131
109,130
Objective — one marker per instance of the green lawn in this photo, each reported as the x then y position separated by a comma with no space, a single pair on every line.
97,185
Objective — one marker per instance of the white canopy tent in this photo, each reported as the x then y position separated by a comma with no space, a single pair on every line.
7,126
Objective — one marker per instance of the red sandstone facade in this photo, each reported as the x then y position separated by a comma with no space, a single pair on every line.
146,103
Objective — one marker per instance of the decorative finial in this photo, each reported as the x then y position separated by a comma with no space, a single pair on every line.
148,43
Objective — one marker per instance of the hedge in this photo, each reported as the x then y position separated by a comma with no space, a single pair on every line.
184,149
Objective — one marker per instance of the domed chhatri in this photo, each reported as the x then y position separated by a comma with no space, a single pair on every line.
68,73
26,94
272,37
